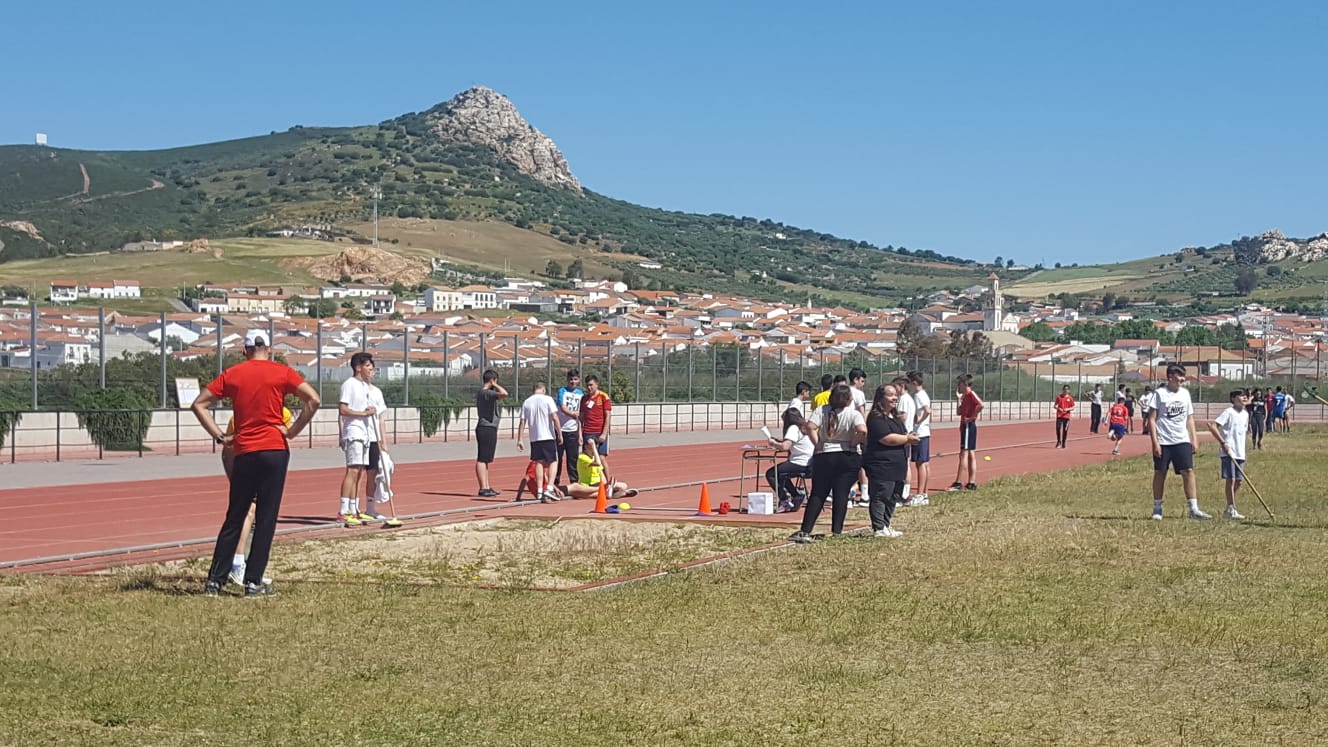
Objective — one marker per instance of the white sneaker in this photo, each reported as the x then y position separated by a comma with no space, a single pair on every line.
550,495
1157,516
887,533
237,574
1232,513
1197,513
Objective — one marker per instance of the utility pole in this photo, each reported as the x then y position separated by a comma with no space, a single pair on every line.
377,194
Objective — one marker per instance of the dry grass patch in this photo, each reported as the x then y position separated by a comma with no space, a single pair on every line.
514,553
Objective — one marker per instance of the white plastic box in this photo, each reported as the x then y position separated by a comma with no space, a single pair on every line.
761,503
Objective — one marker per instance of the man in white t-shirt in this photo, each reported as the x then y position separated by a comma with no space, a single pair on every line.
908,411
1230,429
857,379
356,410
802,394
1174,441
539,413
921,451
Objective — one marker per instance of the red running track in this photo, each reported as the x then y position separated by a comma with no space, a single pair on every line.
91,527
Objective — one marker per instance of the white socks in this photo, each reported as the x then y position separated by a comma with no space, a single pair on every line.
1194,504
345,505
906,490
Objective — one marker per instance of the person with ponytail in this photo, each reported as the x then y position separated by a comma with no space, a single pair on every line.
837,430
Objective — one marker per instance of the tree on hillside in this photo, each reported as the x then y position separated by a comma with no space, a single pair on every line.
576,270
1108,301
912,342
1246,281
965,344
1039,332
553,269
999,260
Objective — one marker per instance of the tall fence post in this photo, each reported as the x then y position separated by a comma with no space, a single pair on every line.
664,378
101,347
636,386
691,349
318,355
405,362
161,341
447,363
32,350
221,320
516,366
737,372
548,361
484,351
760,375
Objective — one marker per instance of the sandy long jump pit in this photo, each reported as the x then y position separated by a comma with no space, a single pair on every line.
511,553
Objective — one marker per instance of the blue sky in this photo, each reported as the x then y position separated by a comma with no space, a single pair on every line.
1039,131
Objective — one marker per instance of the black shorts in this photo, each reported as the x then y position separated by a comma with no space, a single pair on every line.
486,440
373,456
1179,456
544,451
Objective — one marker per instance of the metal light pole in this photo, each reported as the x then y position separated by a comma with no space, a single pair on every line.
377,194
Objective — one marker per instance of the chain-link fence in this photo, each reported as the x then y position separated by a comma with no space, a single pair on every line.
71,360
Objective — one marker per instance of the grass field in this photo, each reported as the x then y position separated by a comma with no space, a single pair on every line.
1043,609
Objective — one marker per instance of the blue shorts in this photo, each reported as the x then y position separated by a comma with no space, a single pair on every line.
602,442
1117,431
922,450
968,436
1229,471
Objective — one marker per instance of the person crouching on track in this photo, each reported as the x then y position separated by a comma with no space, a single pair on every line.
837,430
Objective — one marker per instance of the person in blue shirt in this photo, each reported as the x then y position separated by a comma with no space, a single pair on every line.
1279,409
569,440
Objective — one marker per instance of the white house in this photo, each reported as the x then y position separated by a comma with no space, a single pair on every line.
64,291
478,297
442,299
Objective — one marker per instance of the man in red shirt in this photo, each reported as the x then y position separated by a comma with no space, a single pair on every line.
596,419
1064,409
970,405
257,388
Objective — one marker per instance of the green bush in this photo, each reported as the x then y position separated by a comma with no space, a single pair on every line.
116,419
10,416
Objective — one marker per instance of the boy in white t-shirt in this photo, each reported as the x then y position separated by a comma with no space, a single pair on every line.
356,408
1174,441
921,451
1230,430
908,411
857,379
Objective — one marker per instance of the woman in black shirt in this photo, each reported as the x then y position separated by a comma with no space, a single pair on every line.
1258,411
885,458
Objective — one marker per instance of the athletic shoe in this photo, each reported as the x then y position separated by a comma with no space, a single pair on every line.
1115,452
801,537
348,520
1157,516
258,591
1196,513
552,496
367,518
956,486
920,499
211,589
489,493
971,486
1232,513
887,533
237,573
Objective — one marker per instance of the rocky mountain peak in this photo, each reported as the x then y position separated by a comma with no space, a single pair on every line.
485,117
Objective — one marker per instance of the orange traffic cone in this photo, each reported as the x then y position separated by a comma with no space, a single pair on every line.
601,500
703,509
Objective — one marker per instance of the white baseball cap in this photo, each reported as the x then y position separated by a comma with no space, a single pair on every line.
255,338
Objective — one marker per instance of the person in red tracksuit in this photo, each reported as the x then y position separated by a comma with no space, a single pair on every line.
1064,409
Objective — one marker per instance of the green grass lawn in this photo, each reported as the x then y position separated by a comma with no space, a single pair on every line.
1043,609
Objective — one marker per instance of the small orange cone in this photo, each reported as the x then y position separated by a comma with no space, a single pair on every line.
601,500
703,509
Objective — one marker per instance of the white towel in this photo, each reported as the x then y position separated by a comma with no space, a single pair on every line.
383,483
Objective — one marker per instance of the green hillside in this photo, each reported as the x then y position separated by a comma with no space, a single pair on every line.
320,175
